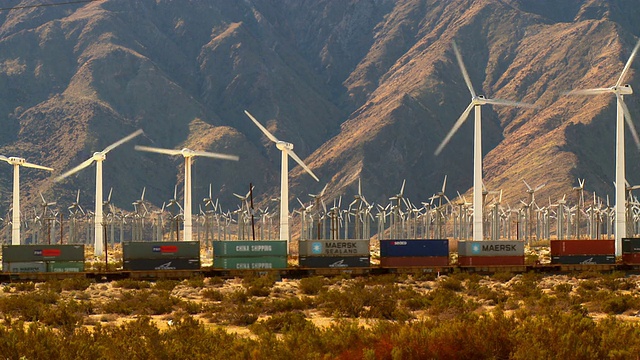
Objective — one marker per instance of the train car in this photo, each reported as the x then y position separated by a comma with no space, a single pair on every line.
414,253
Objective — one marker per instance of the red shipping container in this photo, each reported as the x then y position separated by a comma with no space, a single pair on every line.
490,260
631,259
407,261
583,247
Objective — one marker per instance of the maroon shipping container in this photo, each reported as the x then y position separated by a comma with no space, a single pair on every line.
583,247
406,261
631,259
490,260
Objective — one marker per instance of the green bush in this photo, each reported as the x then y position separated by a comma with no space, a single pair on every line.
212,294
167,285
312,285
131,284
142,302
258,285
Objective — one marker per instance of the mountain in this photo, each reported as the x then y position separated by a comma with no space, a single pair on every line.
363,89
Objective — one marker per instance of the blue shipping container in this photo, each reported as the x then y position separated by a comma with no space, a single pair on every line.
404,248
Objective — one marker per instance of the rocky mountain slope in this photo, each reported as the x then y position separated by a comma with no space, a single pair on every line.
361,88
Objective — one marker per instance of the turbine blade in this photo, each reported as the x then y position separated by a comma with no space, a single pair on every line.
455,128
216,155
83,165
510,103
444,184
158,150
525,182
34,166
628,64
299,161
627,118
262,128
467,80
122,141
4,158
402,188
596,91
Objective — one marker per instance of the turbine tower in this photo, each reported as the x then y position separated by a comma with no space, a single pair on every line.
188,155
619,90
476,104
15,221
98,157
287,150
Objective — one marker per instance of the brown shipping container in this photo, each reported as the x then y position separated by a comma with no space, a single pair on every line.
583,247
631,259
490,260
407,261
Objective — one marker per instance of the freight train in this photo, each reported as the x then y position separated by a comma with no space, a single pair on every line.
182,259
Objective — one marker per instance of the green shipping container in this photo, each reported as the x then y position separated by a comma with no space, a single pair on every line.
250,263
24,267
249,248
27,253
160,250
65,266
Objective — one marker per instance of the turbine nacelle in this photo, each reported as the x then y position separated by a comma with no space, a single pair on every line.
623,89
99,156
283,145
16,160
479,100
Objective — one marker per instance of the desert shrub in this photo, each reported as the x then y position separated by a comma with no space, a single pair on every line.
288,304
502,277
357,300
24,286
215,281
447,302
563,288
142,302
451,283
212,294
75,283
526,286
312,285
495,297
167,285
28,306
66,314
190,307
588,274
238,296
612,303
424,276
282,323
258,285
131,284
195,282
616,281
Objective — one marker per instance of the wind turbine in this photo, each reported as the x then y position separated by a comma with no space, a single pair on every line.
98,157
476,103
619,90
188,155
15,221
287,150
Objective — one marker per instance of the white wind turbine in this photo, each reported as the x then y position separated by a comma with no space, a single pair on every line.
15,221
98,157
188,155
287,150
476,103
619,90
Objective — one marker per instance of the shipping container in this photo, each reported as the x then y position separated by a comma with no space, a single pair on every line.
405,248
250,248
409,261
24,267
631,259
65,266
161,264
491,248
583,259
630,245
490,260
582,247
250,263
30,253
160,250
334,262
334,248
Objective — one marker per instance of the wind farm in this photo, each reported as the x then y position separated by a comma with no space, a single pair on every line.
312,180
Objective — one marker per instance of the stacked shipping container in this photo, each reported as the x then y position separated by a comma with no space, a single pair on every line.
161,255
250,255
43,258
490,253
334,254
411,253
583,252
